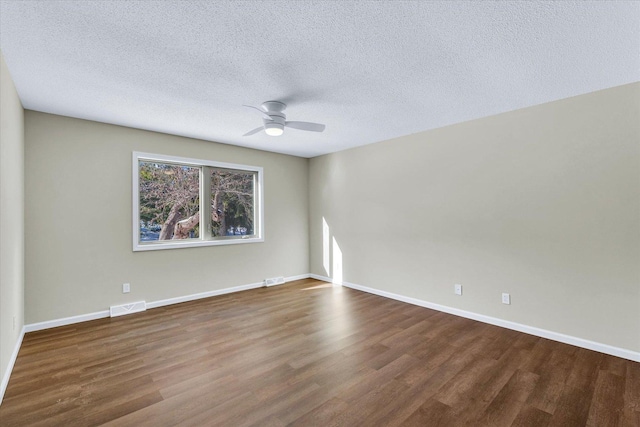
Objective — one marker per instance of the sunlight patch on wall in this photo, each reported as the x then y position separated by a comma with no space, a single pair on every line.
326,262
337,263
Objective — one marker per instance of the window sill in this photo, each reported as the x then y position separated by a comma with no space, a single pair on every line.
176,244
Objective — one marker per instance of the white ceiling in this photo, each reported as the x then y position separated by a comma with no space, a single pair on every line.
369,70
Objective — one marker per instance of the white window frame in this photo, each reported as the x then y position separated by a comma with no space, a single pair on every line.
205,238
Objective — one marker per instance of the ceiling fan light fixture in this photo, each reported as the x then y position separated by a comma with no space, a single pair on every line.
273,129
274,120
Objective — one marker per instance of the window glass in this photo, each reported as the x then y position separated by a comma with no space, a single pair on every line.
169,201
232,202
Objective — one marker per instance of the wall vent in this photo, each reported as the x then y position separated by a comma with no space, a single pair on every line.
274,281
121,310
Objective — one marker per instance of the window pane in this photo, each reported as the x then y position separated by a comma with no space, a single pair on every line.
232,203
169,201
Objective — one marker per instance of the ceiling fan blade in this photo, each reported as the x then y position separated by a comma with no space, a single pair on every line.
314,127
256,130
264,115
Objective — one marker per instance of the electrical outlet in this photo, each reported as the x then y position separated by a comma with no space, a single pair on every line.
506,298
126,288
457,289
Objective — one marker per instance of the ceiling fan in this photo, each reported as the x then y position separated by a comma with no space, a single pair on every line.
275,120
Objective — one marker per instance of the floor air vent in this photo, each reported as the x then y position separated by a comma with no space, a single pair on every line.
274,281
121,310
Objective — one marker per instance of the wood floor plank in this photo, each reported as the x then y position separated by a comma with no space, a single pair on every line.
530,416
321,414
631,411
465,383
432,413
504,409
492,385
573,407
310,354
422,390
607,403
551,382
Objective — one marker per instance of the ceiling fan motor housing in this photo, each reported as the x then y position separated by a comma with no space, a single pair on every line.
273,107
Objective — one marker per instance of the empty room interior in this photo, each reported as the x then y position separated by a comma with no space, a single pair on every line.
320,213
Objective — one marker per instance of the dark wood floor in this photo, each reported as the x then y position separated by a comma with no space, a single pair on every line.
309,354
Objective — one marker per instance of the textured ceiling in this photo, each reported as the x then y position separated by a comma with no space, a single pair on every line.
369,70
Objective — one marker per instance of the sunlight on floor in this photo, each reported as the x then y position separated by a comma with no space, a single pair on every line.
325,285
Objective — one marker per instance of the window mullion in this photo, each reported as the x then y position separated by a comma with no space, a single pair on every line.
205,203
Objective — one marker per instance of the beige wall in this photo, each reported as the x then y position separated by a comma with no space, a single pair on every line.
542,203
78,212
11,218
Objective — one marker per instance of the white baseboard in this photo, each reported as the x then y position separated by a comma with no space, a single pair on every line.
555,336
201,295
298,277
12,361
32,327
323,278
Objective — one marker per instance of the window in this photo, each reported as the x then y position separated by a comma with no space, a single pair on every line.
172,195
